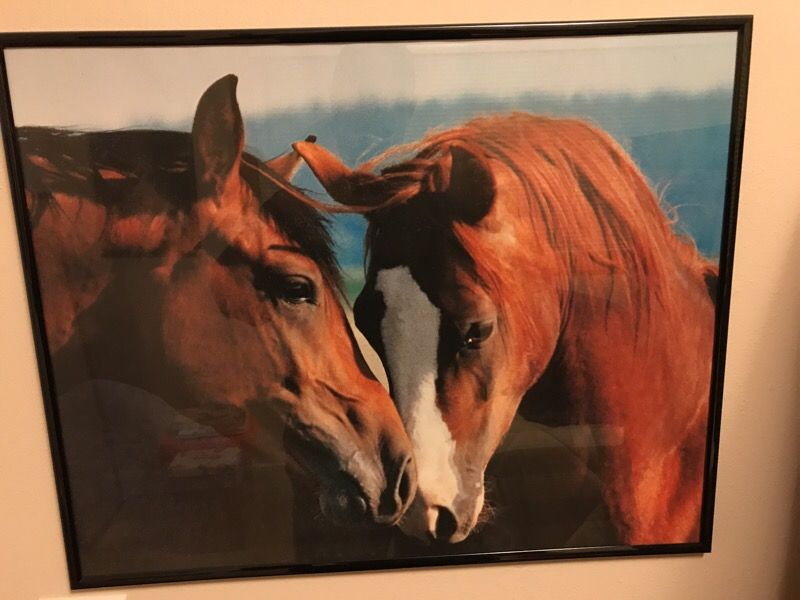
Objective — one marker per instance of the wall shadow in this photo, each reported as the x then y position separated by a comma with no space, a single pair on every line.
790,583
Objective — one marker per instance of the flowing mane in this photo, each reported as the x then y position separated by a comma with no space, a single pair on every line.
151,171
614,221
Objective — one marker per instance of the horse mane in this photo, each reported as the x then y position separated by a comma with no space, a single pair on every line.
151,171
594,205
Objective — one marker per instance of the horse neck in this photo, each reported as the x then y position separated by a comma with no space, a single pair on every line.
634,335
646,379
635,319
632,356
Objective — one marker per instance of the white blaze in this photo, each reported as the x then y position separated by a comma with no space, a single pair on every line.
410,333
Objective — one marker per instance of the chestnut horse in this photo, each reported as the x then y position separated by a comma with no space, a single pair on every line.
183,266
526,258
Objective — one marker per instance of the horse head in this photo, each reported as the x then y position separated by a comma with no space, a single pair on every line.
436,315
202,279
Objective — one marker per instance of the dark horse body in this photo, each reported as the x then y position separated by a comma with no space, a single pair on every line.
518,258
180,265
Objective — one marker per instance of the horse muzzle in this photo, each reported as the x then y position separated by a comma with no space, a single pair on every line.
358,494
443,522
365,483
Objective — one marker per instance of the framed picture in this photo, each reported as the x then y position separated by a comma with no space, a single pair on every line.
326,300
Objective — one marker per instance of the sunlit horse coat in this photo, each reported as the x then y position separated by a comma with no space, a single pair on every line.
526,259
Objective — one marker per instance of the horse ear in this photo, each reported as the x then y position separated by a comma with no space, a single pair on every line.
217,136
467,184
286,165
344,185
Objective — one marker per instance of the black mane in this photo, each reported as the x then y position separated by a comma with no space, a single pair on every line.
151,171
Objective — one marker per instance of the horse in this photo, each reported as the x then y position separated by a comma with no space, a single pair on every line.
180,264
521,264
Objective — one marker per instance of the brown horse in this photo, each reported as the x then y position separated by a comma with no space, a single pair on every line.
183,266
525,258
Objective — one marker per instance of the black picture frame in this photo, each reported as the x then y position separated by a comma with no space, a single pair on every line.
741,25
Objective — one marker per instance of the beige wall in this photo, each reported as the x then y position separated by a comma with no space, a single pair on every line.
756,540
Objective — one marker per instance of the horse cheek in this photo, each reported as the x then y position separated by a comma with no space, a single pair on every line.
199,340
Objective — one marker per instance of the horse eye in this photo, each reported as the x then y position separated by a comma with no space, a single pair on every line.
476,334
295,289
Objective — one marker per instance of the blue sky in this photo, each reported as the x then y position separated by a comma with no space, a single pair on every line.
120,87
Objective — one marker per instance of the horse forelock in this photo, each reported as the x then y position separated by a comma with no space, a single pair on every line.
299,222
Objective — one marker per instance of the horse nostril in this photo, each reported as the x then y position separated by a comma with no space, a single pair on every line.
355,420
446,524
290,383
405,489
398,492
